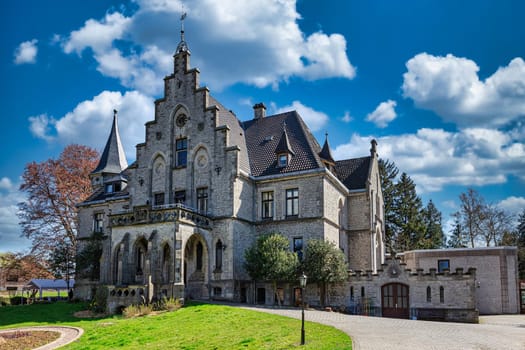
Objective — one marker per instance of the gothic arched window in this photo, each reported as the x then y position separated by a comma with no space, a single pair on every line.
218,255
199,256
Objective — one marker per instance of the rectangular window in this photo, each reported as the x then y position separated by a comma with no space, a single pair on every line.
181,152
443,265
267,205
158,199
298,247
202,200
283,160
292,202
180,197
98,222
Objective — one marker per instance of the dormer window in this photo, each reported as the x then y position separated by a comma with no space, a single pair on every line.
109,188
282,160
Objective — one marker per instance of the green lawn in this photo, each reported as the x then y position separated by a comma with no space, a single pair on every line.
196,326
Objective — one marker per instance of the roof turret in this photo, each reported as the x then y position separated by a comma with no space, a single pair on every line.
113,159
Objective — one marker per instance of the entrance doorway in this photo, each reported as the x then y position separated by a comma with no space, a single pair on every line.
261,296
394,300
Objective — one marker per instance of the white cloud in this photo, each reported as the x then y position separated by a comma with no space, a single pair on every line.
435,158
26,52
450,86
97,35
314,119
90,121
10,239
347,118
383,114
257,43
513,205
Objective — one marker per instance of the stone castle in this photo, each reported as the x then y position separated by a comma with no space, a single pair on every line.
205,185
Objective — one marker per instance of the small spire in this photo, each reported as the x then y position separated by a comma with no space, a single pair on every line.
284,143
183,46
113,159
326,152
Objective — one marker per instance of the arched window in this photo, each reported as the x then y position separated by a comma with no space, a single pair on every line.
441,294
352,293
429,295
199,256
362,292
218,255
140,256
117,273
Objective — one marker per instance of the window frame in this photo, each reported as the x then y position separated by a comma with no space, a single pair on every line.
298,250
267,205
181,148
292,202
98,222
441,265
282,160
159,196
202,200
178,195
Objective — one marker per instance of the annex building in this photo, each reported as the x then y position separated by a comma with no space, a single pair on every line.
204,185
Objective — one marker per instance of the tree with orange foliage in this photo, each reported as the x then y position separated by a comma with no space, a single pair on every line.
49,215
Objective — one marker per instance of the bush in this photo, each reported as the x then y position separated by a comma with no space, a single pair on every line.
18,300
137,310
100,301
4,301
167,304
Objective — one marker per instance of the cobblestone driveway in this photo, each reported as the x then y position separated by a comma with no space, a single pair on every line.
493,332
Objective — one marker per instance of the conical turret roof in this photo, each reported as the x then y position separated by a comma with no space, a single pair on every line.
113,159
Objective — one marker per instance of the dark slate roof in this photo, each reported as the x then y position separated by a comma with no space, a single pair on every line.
353,173
101,195
263,136
113,159
326,152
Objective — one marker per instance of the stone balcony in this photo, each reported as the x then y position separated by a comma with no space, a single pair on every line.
147,214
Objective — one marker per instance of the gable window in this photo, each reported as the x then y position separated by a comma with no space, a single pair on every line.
292,202
298,247
98,222
158,199
180,197
267,205
181,152
202,200
282,160
443,265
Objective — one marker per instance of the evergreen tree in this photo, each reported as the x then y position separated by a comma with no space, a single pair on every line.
521,244
270,259
324,263
408,220
457,237
434,236
388,173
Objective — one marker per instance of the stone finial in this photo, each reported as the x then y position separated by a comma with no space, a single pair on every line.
373,148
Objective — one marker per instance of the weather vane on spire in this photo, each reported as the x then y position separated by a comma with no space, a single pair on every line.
182,47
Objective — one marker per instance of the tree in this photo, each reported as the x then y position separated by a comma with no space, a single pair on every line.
520,232
23,267
407,219
49,216
270,259
434,237
88,260
494,224
388,173
324,263
471,214
457,237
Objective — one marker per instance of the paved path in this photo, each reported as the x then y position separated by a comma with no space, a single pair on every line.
493,332
67,334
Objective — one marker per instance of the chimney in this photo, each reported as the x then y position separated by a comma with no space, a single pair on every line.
259,111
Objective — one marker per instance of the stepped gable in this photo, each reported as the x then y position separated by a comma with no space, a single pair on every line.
226,117
353,173
262,139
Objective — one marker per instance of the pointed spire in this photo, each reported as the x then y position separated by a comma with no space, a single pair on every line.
284,144
183,46
113,159
326,152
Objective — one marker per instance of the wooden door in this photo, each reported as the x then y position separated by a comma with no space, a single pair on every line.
394,300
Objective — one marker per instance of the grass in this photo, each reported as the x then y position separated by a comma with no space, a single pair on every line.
196,326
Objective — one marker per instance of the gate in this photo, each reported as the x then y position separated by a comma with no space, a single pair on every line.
394,300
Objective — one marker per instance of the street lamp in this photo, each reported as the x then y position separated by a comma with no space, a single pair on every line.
302,283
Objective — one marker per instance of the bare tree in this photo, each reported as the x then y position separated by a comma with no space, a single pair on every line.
472,214
495,223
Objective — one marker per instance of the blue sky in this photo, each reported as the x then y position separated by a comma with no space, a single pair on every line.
439,84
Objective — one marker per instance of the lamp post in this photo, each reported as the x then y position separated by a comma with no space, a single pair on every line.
302,282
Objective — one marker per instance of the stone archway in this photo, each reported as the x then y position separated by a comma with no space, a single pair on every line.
196,268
